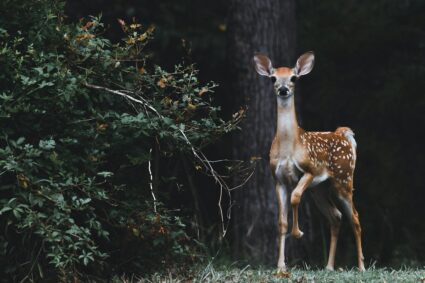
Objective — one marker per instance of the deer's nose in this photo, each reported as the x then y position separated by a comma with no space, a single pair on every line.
283,91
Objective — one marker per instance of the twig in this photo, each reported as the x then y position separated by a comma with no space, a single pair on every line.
33,264
151,182
140,101
217,179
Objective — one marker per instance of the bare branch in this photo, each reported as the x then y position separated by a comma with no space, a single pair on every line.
140,101
151,182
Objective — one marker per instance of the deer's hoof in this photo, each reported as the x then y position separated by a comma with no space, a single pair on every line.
297,234
282,273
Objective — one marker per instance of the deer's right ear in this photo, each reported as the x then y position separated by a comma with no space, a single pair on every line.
263,65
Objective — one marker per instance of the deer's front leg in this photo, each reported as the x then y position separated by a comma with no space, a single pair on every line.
303,184
282,202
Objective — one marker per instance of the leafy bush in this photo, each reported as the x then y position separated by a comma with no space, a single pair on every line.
81,119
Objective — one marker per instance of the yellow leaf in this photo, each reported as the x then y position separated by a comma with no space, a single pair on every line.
161,83
151,29
102,127
143,37
134,26
136,232
191,106
23,181
166,101
203,91
84,36
131,40
142,71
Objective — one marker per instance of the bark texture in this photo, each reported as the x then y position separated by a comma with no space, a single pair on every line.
258,26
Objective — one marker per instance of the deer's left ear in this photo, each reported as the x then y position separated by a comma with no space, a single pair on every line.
304,64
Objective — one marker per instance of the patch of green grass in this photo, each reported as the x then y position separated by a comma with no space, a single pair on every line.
296,275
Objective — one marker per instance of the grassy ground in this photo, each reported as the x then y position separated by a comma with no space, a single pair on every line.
247,274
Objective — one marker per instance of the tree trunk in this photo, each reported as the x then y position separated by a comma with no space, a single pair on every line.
266,26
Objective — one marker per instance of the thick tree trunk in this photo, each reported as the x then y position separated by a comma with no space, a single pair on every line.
266,26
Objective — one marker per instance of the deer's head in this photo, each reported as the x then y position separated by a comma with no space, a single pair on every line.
284,78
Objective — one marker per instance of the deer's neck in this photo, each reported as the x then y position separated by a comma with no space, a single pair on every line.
287,131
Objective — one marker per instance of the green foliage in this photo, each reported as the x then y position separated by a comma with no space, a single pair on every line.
74,185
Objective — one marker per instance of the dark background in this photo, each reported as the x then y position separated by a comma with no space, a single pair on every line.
369,74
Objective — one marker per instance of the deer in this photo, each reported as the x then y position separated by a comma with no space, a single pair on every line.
302,159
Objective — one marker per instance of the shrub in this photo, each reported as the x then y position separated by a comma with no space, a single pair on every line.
81,119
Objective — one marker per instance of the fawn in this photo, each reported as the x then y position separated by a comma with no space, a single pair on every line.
300,159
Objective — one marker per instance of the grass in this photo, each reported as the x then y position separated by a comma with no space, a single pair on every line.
248,274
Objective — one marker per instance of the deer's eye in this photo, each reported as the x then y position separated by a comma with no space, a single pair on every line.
293,79
273,79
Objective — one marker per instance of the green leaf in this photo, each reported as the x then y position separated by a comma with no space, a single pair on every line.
47,144
105,174
5,209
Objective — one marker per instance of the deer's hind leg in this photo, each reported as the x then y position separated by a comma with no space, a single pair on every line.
322,198
346,196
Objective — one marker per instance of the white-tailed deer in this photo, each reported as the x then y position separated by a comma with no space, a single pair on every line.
301,159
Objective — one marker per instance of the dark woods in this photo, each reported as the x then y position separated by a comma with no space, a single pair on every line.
368,75
75,187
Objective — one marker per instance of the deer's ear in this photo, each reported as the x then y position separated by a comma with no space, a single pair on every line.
263,65
305,64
